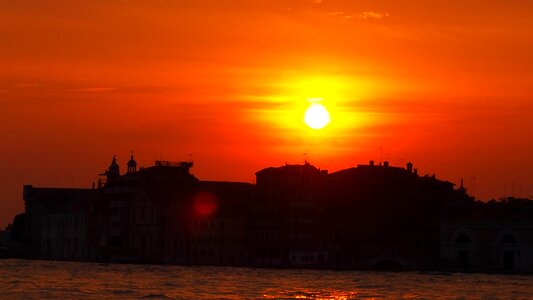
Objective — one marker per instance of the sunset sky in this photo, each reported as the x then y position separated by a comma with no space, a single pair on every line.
447,85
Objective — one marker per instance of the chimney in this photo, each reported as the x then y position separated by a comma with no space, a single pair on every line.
409,167
416,171
386,163
371,163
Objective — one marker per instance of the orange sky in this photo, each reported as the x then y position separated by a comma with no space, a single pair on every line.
444,84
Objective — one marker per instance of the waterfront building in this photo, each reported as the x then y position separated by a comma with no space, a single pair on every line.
133,209
497,237
382,216
57,222
373,216
219,218
288,216
163,214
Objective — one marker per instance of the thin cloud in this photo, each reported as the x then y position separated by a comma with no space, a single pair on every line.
372,15
340,14
363,15
26,85
91,90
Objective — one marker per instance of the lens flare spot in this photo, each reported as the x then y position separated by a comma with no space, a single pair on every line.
205,203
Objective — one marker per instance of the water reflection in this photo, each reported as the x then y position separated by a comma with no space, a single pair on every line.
24,279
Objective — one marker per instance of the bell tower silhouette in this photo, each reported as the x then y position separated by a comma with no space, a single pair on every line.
132,165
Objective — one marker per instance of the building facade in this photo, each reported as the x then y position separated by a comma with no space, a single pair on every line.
498,237
374,216
57,222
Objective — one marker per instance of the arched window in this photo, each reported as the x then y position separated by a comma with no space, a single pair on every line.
463,239
508,239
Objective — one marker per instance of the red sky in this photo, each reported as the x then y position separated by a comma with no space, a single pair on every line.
444,84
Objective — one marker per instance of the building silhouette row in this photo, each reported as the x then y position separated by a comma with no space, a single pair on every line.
374,216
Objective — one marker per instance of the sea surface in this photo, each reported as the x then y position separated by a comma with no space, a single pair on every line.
33,279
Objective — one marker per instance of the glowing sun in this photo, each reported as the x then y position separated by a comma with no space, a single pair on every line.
317,116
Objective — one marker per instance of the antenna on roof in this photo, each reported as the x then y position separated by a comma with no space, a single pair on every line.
473,183
190,163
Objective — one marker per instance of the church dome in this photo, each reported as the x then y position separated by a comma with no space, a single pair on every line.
114,169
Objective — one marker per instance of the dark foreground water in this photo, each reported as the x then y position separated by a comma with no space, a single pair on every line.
26,279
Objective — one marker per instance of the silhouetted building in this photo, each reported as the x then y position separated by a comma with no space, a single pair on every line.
498,236
5,243
388,217
165,214
287,227
57,222
219,215
133,209
374,216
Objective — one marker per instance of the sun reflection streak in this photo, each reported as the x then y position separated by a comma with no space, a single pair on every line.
314,295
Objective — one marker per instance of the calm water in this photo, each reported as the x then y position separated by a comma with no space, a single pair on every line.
22,279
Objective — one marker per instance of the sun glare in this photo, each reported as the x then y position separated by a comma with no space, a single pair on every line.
317,116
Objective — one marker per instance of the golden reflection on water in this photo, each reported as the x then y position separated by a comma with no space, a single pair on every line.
27,279
312,295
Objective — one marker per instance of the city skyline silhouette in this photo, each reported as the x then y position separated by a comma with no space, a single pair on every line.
373,216
432,83
266,149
